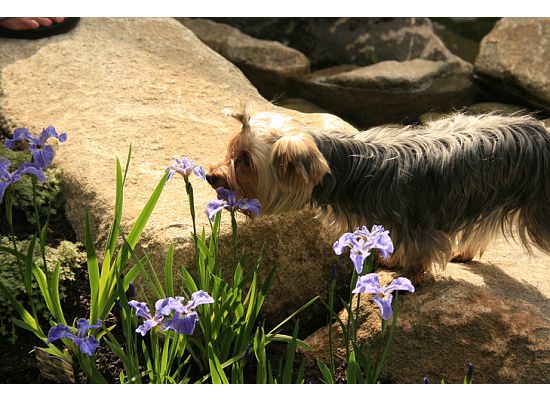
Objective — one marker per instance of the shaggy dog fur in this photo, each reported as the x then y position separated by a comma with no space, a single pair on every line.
443,189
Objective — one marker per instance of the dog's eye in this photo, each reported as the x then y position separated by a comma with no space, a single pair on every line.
244,158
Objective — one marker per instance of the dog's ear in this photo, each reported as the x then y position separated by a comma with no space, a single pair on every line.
298,161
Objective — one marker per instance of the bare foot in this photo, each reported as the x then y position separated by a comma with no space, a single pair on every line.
23,23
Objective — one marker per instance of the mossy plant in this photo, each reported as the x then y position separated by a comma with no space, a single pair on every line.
67,254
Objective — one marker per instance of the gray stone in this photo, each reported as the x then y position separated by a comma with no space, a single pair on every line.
267,64
152,84
360,41
514,59
497,108
372,70
493,312
302,105
391,91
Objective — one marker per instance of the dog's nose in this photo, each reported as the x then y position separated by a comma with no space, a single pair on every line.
212,180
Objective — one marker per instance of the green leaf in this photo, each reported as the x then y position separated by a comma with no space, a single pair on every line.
27,275
168,271
143,217
54,293
327,376
44,287
93,271
30,323
216,370
290,352
353,369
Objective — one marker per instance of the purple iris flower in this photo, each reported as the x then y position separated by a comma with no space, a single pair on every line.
361,242
228,200
383,298
42,153
143,311
7,178
185,167
87,343
184,317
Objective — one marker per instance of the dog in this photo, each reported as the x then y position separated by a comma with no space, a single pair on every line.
443,189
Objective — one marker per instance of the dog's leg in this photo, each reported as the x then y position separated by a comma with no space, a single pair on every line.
416,254
473,242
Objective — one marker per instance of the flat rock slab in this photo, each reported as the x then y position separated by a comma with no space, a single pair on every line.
514,58
152,84
493,312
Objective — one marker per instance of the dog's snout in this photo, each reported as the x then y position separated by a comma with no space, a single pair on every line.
211,179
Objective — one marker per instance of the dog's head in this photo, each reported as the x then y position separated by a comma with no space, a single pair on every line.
273,159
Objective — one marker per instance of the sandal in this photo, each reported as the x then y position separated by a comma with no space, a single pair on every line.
41,32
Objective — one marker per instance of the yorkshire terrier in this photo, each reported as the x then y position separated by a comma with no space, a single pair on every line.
443,189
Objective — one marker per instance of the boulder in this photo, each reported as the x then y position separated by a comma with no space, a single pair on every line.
514,59
150,83
391,91
493,312
333,41
267,64
370,71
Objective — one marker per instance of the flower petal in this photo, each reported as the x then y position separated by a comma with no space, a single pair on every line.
83,326
3,187
20,134
147,325
166,306
44,156
358,258
346,240
141,309
198,298
28,168
227,195
367,284
200,172
399,284
182,323
88,345
215,206
57,332
385,306
250,205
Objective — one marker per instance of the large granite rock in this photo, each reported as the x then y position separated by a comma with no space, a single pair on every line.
391,91
514,59
267,64
152,84
370,71
494,312
359,41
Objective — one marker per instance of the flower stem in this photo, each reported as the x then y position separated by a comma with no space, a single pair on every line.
191,197
41,237
234,238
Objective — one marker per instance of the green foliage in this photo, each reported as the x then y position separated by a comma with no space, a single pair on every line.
46,197
69,257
